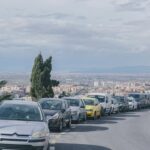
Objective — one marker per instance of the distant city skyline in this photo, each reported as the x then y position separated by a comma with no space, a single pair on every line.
81,35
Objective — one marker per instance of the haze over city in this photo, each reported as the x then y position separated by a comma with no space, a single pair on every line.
81,35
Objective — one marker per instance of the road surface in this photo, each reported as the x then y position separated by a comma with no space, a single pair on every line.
126,131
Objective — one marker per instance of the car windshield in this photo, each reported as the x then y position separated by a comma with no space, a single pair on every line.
100,98
136,96
120,99
20,112
130,100
89,102
52,105
74,102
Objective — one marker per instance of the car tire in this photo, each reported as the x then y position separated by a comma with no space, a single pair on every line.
78,121
109,112
60,128
69,124
48,148
94,117
99,116
85,118
102,112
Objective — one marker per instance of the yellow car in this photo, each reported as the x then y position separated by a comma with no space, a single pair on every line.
93,108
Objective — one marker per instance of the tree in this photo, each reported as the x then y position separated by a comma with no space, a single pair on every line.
64,94
5,96
41,83
3,83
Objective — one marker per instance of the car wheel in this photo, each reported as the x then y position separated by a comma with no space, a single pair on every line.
85,118
112,111
102,111
78,121
48,148
109,112
69,124
60,128
95,117
99,116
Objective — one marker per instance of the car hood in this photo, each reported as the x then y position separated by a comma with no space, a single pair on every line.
130,103
89,107
50,112
74,108
20,127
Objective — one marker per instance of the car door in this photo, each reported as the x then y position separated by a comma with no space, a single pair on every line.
98,107
68,111
64,112
107,104
82,108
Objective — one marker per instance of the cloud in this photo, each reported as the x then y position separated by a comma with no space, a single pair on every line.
131,5
92,31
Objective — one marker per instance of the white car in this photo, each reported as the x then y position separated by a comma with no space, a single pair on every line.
77,105
115,105
23,126
104,100
133,105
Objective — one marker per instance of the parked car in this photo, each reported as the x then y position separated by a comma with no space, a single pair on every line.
58,113
104,100
93,107
77,105
139,98
132,103
123,103
23,126
147,97
115,105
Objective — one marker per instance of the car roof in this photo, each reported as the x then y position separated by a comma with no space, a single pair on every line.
20,102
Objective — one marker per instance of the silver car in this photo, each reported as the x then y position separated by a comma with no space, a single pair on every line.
77,106
23,126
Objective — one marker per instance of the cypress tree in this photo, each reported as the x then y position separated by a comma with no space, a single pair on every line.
3,83
5,96
41,83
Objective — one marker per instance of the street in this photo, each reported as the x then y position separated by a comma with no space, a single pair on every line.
124,131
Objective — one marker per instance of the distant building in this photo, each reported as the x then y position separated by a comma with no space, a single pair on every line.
96,84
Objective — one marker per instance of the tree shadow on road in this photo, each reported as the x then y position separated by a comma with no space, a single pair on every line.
88,128
63,146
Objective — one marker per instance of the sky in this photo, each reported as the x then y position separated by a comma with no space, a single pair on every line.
80,35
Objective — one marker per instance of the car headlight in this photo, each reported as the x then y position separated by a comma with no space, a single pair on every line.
56,116
39,134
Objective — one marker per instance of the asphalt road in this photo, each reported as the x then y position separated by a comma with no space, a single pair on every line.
128,131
